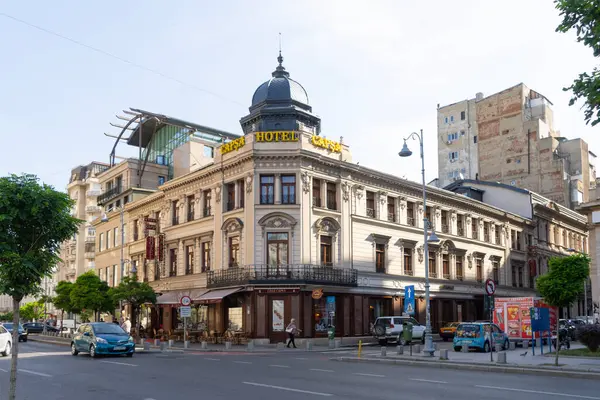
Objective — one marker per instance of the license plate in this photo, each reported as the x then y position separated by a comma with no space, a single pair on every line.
117,348
466,341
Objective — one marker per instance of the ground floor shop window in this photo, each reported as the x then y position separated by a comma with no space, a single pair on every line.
234,319
278,324
379,307
324,314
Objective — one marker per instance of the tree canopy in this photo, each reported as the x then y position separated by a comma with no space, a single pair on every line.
32,311
135,293
583,16
62,299
91,293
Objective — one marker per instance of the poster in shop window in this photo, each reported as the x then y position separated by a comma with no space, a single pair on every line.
278,318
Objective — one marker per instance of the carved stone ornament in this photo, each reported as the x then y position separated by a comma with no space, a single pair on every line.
470,260
402,205
420,253
481,223
218,193
277,222
453,217
305,181
249,179
345,191
468,219
438,212
360,191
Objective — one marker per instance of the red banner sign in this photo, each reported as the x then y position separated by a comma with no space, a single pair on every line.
150,248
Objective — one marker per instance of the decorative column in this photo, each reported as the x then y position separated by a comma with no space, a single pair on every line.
198,205
420,215
402,217
437,219
453,227
382,212
197,256
180,258
468,226
237,194
277,188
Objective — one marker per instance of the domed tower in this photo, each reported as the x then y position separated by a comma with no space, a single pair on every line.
280,104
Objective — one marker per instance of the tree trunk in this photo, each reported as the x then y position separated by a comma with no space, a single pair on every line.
12,393
62,319
133,308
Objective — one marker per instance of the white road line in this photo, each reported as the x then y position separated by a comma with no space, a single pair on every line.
279,366
321,370
3,370
213,359
577,396
301,358
373,375
288,389
425,380
242,362
35,373
119,363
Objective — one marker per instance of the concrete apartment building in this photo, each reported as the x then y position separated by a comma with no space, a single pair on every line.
280,223
511,134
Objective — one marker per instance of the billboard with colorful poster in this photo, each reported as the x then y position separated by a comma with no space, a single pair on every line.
512,315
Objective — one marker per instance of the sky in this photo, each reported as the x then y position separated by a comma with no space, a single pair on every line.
374,71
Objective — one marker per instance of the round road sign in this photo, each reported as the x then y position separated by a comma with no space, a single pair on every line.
490,287
185,301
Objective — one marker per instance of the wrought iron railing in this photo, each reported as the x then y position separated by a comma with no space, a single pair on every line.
289,274
391,217
408,272
371,212
445,228
109,194
316,202
410,221
461,231
206,212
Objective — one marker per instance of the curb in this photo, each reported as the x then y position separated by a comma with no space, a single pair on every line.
510,369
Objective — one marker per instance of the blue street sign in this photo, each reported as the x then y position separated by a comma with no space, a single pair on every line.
540,319
409,300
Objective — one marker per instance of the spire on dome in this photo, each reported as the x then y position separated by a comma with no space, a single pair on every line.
280,70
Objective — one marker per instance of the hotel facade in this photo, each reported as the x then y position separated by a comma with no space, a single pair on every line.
281,224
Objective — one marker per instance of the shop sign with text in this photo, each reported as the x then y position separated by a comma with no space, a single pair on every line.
330,145
233,145
276,136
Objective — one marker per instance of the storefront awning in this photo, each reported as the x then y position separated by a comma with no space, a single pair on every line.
167,298
216,296
172,297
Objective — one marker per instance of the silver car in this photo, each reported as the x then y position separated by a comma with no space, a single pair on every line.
5,341
388,329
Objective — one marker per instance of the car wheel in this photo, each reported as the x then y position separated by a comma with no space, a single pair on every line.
445,339
6,351
383,342
486,347
506,345
457,348
74,351
93,351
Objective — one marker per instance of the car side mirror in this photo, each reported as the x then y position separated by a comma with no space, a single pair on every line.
86,334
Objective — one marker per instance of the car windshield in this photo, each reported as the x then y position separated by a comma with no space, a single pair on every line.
9,326
108,329
451,325
467,330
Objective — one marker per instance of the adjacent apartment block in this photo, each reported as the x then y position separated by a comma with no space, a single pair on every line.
511,136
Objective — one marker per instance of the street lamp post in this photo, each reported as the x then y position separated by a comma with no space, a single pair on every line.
405,152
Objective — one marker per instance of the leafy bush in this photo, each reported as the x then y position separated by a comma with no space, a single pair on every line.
589,335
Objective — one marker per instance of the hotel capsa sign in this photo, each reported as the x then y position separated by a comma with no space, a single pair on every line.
281,136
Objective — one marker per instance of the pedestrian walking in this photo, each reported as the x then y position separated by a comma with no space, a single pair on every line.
126,325
292,330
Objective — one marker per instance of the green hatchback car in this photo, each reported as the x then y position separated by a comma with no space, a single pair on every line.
101,338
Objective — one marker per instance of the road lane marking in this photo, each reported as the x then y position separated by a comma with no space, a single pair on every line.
373,375
288,389
213,359
3,370
242,362
279,366
301,358
35,373
425,380
577,396
321,370
119,363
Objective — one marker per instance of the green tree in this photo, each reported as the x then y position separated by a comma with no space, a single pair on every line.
584,17
62,299
91,293
32,311
34,220
563,283
6,317
135,293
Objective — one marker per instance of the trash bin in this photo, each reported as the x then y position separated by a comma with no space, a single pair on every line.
407,332
331,333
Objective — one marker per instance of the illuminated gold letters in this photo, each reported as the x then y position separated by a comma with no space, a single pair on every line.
233,145
285,136
326,144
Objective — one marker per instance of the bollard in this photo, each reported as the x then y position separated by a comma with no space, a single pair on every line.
204,345
250,345
417,349
309,345
163,345
146,346
171,341
512,345
331,344
338,343
502,357
186,344
399,350
227,345
142,341
443,354
464,349
157,342
383,351
498,347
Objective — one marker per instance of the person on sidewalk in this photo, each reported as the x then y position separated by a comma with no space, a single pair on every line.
126,325
292,330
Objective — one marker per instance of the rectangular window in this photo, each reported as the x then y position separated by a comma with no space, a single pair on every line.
446,266
326,250
497,234
479,270
432,264
230,205
370,204
380,258
519,246
331,195
234,252
277,248
241,192
175,212
462,115
205,256
496,271
207,211
113,278
115,237
445,120
520,271
391,209
316,192
161,180
474,228
410,214
452,136
267,189
513,274
209,151
191,208
459,268
486,231
107,240
100,241
117,203
453,155
189,260
445,222
452,118
408,263
475,139
460,225
288,189
136,230
173,262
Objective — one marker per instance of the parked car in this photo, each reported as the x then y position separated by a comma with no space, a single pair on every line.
447,331
101,338
479,335
5,341
22,332
390,329
38,327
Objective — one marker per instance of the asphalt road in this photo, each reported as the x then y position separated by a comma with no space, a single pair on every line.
49,372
